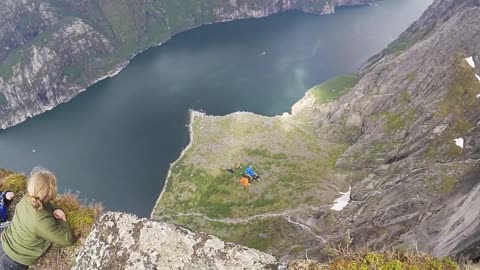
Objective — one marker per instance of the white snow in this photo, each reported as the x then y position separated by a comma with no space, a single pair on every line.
34,150
263,53
470,61
459,142
478,77
342,201
478,96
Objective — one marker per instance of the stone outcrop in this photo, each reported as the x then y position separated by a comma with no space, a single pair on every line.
122,241
52,50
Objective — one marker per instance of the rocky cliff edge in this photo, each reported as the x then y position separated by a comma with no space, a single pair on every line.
122,241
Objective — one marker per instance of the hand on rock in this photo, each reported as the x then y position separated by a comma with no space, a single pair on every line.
9,196
59,214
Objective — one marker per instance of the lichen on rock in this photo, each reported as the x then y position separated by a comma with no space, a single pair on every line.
122,241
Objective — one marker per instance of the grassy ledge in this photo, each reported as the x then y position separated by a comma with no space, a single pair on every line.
334,88
297,168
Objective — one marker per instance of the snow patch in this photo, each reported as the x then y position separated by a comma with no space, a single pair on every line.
470,61
459,142
342,201
478,77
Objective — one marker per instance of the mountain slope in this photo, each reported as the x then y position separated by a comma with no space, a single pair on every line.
50,50
401,127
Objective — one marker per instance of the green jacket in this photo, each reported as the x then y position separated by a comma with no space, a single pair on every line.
31,233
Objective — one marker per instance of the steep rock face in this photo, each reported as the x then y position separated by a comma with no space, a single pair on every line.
21,22
122,241
414,186
45,76
52,50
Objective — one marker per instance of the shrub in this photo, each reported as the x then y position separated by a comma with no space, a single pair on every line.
15,182
80,216
389,260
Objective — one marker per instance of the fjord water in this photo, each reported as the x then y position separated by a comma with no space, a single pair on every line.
114,142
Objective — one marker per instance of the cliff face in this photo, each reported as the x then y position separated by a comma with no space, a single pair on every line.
52,50
408,133
122,241
416,152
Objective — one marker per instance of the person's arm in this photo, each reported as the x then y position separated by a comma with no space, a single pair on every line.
55,230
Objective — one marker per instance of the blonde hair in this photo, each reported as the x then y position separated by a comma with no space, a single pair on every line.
41,187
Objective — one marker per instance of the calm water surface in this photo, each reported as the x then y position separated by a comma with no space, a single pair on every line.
114,142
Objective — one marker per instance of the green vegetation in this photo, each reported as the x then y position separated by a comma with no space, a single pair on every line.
334,88
399,45
365,260
461,104
405,98
431,151
396,121
261,234
448,183
15,182
461,98
80,216
296,169
411,77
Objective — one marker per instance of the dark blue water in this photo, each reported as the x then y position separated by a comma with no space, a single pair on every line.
114,142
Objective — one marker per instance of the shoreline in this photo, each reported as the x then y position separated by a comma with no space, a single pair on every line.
123,64
192,116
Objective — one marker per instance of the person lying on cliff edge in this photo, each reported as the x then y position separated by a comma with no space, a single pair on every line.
35,224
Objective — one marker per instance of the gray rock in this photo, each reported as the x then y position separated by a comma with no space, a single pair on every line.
122,241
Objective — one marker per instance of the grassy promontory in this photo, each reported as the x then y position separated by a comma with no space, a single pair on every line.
296,166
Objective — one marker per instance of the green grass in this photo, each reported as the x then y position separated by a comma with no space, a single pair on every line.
405,98
15,182
448,183
271,235
264,153
80,216
399,45
334,88
390,260
296,169
462,91
394,121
